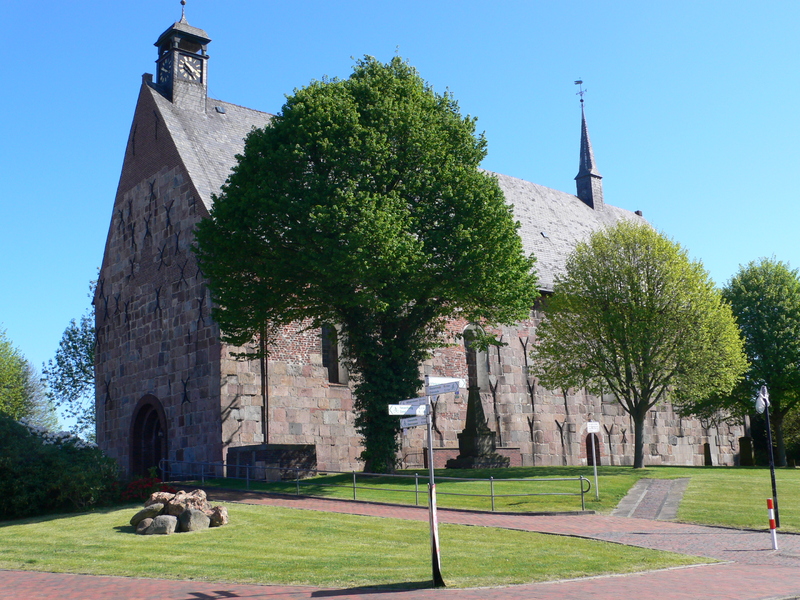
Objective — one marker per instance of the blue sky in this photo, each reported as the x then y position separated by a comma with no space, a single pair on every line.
691,108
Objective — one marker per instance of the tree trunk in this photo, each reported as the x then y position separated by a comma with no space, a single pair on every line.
386,372
638,442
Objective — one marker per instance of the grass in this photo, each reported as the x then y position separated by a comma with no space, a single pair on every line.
727,496
614,483
736,497
281,546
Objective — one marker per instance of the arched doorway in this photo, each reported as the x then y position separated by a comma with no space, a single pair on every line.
148,436
589,458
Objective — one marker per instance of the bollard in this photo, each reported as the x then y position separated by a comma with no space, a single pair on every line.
772,531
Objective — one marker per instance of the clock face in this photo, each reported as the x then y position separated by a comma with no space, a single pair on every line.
190,68
165,70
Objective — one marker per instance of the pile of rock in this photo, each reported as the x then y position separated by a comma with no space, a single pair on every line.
166,513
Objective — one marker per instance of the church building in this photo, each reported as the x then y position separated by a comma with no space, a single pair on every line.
168,389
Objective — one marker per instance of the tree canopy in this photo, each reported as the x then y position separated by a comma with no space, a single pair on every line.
22,392
634,316
362,205
765,298
15,400
70,375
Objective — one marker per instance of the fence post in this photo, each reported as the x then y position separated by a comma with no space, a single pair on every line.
416,489
354,485
297,478
247,475
583,502
491,488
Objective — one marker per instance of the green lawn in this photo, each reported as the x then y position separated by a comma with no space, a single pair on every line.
731,496
283,546
614,483
737,497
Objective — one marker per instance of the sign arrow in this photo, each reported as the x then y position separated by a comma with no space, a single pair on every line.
410,410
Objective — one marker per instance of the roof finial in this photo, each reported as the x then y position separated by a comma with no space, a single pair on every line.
580,91
183,11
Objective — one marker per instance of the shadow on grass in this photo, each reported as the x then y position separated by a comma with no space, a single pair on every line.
127,529
65,515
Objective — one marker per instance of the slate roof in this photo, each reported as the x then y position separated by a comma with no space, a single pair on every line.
208,143
551,222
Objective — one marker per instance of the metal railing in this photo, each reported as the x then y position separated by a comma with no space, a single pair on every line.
184,470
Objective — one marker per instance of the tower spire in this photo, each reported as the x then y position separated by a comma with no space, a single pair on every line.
183,12
589,182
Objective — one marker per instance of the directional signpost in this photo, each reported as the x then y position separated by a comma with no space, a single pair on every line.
413,422
417,411
441,388
408,410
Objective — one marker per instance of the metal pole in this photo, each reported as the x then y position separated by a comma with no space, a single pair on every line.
354,485
772,468
772,524
416,489
594,463
438,581
491,490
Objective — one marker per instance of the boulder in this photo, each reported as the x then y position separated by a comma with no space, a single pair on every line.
193,519
148,512
218,516
143,526
159,498
162,525
183,500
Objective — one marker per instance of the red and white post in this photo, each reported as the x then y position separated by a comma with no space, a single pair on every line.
772,531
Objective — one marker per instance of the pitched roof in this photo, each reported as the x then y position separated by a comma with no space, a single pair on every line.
208,143
551,222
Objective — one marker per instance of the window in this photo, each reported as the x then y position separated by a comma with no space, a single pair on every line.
330,352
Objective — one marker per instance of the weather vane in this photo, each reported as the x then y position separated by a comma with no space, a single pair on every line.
580,91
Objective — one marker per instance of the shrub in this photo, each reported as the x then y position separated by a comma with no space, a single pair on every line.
43,472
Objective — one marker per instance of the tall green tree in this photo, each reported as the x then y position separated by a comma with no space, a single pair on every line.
15,400
362,205
22,392
70,374
633,315
765,298
42,410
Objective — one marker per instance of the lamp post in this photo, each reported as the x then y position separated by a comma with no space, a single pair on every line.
762,407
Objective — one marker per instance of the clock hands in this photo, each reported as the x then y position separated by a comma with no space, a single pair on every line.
191,70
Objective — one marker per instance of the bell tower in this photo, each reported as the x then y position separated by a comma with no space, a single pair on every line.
182,64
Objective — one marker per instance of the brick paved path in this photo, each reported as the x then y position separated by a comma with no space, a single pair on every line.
754,572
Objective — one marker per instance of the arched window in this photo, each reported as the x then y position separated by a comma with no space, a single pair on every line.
330,354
